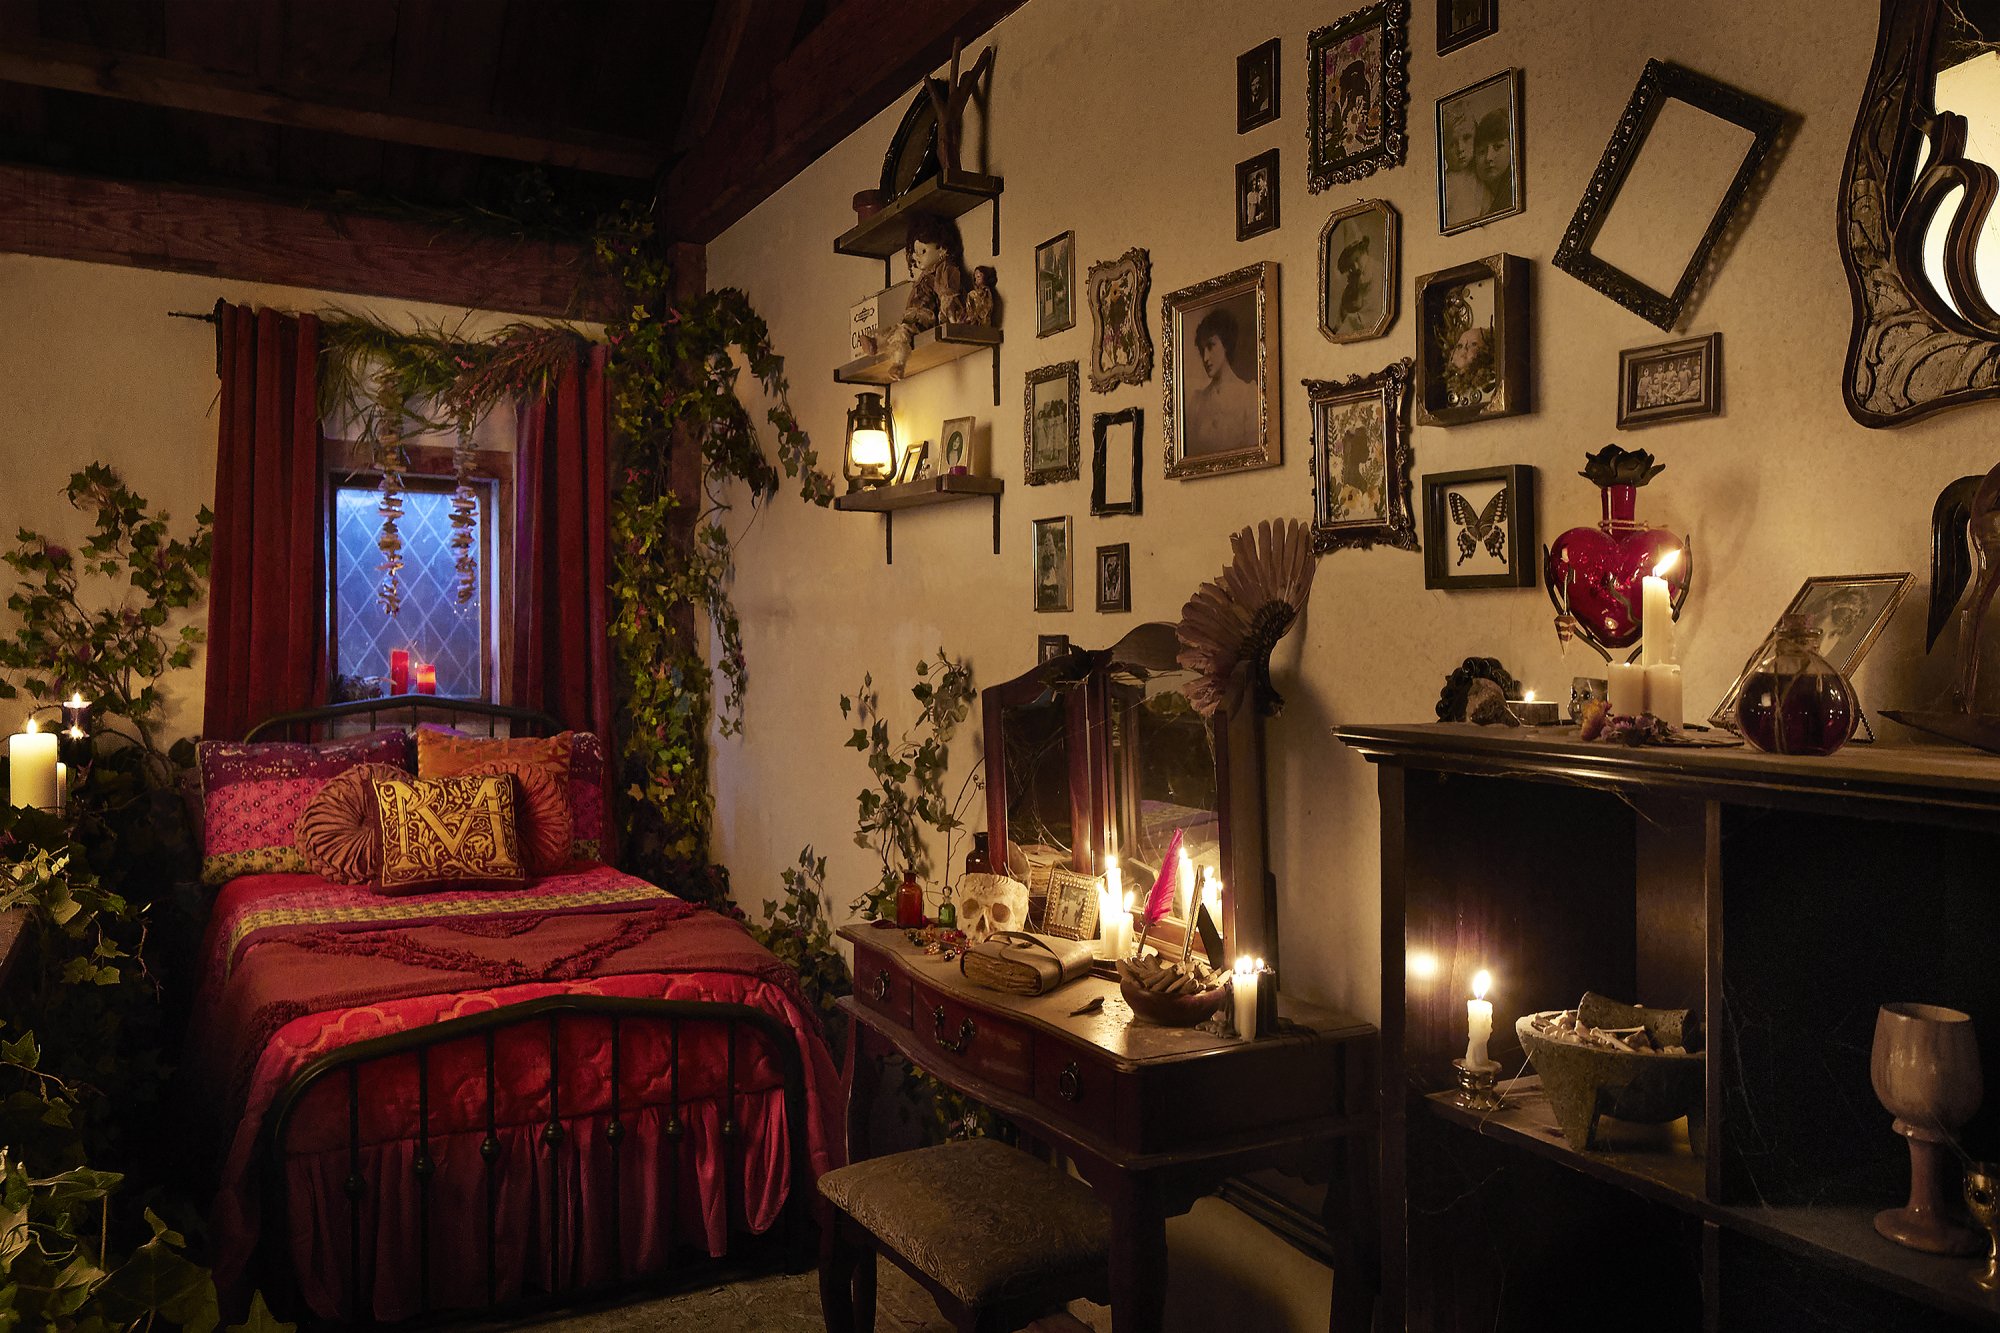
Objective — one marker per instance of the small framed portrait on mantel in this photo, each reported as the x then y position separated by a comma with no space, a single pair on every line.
1481,173
1670,380
1257,195
1051,555
1358,263
1257,86
1221,373
1463,22
1479,528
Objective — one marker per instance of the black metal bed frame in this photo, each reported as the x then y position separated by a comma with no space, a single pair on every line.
412,708
790,1243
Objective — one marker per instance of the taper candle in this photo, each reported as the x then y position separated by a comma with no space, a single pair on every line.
1656,614
1243,997
1478,1020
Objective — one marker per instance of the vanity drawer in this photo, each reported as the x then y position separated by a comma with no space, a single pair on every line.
881,984
992,1048
1079,1090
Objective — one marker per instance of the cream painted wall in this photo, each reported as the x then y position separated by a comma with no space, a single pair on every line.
1116,119
97,372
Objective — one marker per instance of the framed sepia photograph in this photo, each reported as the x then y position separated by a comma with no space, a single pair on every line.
1070,911
1359,251
1116,461
1114,577
1479,529
1051,555
1121,351
1480,168
955,445
1361,460
1850,611
916,462
1472,342
1257,86
1463,22
1051,427
1357,94
1670,380
1221,373
1257,195
1048,647
1055,284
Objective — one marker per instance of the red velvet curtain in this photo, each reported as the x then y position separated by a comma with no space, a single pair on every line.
267,595
561,660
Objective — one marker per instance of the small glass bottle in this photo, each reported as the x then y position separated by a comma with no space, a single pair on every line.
947,915
910,901
978,861
1794,701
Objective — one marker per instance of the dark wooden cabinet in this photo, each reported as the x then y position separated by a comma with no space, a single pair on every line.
1786,899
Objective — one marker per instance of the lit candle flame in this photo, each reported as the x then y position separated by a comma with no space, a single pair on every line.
75,700
32,727
1528,698
1667,562
1482,981
76,733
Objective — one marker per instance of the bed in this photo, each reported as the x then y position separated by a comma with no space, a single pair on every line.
492,1099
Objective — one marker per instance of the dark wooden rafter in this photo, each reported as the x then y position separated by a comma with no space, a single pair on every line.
250,239
860,57
187,87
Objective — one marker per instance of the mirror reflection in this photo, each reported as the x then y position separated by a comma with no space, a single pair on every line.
1035,745
1163,768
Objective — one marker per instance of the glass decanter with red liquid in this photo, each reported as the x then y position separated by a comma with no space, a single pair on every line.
1594,574
1794,701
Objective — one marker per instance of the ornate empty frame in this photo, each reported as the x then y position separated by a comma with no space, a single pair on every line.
1121,351
1327,161
1662,82
1388,392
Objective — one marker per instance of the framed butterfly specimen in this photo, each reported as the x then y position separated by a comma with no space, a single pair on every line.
1479,528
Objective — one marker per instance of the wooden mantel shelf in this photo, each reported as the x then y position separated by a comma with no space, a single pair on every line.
886,500
947,195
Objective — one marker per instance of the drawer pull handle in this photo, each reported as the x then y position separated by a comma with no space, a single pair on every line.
1069,1083
956,1045
882,986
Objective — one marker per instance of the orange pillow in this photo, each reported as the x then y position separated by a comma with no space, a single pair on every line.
546,835
338,832
449,833
444,754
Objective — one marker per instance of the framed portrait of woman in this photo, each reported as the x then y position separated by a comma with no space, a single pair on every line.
1050,552
1480,168
1221,373
1361,460
1358,266
1357,94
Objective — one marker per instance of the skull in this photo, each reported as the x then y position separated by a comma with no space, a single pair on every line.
987,903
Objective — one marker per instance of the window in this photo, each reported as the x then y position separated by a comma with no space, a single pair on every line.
432,625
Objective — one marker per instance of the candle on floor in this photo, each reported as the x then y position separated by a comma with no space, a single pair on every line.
1625,692
31,767
427,678
1656,614
399,671
1243,997
1478,1020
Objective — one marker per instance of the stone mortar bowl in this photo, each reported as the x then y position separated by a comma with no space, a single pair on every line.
1585,1082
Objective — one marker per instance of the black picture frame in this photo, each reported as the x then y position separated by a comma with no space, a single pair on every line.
1330,160
1443,398
1455,29
1382,400
1114,577
1256,216
1101,424
1700,398
912,157
1447,533
1253,110
1048,647
1661,82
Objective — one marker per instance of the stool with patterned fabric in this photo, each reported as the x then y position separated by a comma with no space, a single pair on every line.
998,1238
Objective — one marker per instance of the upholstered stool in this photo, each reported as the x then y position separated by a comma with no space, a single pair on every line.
997,1238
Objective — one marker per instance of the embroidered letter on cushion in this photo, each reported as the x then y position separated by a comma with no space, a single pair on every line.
340,835
442,751
544,811
253,795
458,832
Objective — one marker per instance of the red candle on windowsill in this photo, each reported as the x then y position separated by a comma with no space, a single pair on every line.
399,671
427,678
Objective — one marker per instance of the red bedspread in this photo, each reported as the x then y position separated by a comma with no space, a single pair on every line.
297,967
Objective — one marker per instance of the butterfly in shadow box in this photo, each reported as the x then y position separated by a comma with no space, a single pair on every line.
1489,525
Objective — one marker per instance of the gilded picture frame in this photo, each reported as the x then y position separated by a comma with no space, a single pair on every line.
1222,407
1856,607
1051,447
1472,341
1361,237
1357,94
1121,349
1361,460
1050,563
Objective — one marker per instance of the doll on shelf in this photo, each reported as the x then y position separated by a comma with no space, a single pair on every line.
977,306
937,284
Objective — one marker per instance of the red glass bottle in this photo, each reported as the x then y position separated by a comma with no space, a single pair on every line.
910,901
1595,573
1794,701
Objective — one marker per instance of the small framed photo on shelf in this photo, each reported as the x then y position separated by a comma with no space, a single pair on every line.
1070,911
1481,173
1668,381
1361,460
1479,528
1850,611
955,445
1051,426
1055,284
916,462
1116,462
1257,195
1472,341
1121,351
1463,22
1221,373
1257,86
1048,647
1357,94
1359,253
1114,577
1051,570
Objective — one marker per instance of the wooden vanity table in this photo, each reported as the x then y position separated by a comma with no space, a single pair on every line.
1152,1117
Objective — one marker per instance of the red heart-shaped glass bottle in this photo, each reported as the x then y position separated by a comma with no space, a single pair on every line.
1595,573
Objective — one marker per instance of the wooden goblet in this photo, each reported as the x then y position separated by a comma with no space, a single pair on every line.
1925,1068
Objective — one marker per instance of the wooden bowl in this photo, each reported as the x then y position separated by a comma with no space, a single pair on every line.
1169,1011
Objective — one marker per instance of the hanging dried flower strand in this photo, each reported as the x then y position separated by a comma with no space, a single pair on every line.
392,460
464,516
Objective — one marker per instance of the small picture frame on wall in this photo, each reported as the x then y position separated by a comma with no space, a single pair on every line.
1668,381
1048,647
1055,284
1114,577
1481,171
1257,86
1479,528
1221,373
1357,93
1121,351
1359,254
1850,611
1070,911
1117,465
1050,552
1472,342
1051,426
1463,22
916,462
1257,195
955,446
1361,460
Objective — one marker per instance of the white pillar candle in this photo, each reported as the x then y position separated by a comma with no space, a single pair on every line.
1110,895
31,767
1626,692
1663,692
1478,1021
1656,614
1243,997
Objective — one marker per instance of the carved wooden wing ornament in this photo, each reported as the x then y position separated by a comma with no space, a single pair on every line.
1912,211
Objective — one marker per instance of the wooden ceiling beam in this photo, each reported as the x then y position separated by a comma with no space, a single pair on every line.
185,87
249,239
861,56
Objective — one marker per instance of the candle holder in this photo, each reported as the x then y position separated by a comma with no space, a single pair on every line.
1534,712
1478,1088
1982,1200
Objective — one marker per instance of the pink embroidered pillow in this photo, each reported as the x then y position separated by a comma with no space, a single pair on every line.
253,794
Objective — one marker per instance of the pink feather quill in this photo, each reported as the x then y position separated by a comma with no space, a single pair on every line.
1161,899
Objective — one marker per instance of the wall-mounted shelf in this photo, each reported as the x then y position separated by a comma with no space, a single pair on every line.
947,195
886,500
932,348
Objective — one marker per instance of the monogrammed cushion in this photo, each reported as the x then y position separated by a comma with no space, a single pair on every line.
253,794
449,833
340,834
443,751
544,812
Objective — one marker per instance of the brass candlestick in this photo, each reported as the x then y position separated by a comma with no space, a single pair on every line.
1477,1090
1982,1200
